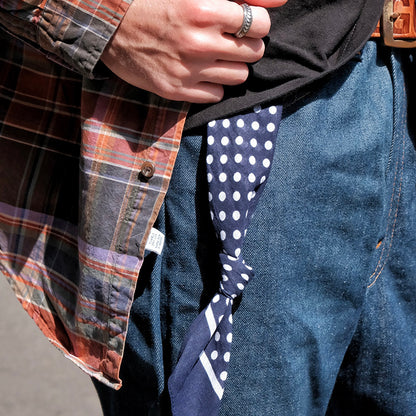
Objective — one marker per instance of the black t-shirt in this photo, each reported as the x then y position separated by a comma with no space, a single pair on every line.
308,40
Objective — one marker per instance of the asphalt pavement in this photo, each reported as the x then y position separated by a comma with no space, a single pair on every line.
35,378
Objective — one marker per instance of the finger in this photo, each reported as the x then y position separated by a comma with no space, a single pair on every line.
202,93
267,3
260,25
229,48
225,73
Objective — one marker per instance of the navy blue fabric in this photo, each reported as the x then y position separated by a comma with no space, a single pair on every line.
328,324
239,157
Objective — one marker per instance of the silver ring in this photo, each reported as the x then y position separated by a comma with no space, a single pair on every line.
247,21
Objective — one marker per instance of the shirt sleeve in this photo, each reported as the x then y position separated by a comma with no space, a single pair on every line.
73,33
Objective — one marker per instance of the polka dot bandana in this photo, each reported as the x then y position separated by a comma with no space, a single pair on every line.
239,156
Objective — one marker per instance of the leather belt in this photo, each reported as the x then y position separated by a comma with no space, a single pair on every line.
397,26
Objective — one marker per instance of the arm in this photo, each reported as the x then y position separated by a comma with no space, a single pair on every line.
178,49
73,33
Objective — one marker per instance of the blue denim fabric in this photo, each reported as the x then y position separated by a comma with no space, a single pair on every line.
328,325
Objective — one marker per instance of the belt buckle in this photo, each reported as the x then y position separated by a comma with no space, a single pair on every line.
395,12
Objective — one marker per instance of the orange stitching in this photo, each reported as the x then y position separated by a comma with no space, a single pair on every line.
388,221
404,118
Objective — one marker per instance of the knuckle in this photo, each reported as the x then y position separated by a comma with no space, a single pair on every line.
175,94
202,13
170,87
165,90
196,44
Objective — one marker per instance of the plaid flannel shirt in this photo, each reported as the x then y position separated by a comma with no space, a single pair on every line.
75,210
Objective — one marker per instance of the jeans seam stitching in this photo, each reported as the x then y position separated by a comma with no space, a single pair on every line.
384,258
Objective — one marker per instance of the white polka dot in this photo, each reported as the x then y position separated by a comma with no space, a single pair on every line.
230,319
230,337
253,142
227,357
273,109
238,158
224,159
237,252
263,178
240,286
227,301
223,376
210,140
266,163
268,145
212,215
239,140
236,196
212,123
255,125
237,176
214,355
209,177
227,267
225,140
216,298
217,336
236,215
251,195
252,160
240,122
271,127
245,276
236,234
220,319
224,278
210,159
222,215
231,258
226,123
257,109
223,235
222,195
209,196
251,177
222,177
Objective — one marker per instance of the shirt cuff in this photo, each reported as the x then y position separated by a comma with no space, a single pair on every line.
71,33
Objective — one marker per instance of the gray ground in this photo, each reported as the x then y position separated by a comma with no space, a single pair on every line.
35,378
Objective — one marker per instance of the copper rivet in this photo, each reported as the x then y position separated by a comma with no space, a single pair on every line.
395,16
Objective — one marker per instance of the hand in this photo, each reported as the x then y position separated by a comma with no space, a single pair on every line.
185,49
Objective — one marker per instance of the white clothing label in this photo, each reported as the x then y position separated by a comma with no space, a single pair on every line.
156,241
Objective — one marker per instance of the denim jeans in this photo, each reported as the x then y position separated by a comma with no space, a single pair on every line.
328,325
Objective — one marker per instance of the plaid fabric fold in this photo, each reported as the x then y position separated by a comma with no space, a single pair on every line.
75,212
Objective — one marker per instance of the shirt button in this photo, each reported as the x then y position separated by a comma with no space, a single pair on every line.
147,171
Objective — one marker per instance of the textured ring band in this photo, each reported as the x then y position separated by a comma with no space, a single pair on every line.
247,21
